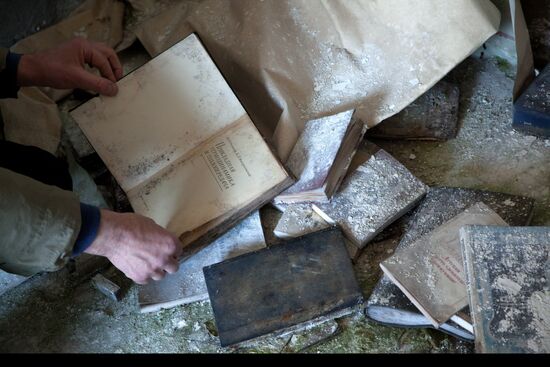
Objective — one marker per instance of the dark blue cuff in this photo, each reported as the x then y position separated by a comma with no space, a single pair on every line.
8,76
88,229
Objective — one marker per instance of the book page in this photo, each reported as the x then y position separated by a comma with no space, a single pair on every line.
228,172
162,111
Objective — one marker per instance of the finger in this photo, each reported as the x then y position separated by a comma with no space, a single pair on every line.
112,57
142,281
179,248
158,274
89,81
95,58
172,267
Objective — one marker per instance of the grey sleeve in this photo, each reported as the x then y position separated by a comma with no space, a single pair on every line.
39,224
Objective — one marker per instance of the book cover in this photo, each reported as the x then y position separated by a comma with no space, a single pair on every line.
432,116
430,271
283,288
378,192
300,219
188,285
321,157
387,304
507,271
531,113
181,146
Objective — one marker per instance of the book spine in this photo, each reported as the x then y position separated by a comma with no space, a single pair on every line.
467,258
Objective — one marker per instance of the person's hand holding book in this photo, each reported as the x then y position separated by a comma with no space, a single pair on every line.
63,67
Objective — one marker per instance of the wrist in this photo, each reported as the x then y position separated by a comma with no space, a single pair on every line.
28,71
89,226
100,245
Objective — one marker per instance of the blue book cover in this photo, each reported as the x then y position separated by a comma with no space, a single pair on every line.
532,108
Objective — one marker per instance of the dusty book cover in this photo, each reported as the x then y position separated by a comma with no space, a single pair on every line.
181,146
372,196
300,219
430,271
387,304
321,157
432,116
280,288
507,270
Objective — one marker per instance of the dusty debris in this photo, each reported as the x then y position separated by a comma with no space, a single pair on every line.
106,287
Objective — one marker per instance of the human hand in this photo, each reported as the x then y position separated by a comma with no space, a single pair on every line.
136,245
63,67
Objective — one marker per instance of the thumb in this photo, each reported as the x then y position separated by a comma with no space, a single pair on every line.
86,80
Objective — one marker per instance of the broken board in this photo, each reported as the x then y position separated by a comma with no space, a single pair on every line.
282,288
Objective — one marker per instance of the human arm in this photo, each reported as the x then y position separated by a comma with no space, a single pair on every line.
40,224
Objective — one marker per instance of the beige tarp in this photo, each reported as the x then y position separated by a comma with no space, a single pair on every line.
96,20
293,60
32,119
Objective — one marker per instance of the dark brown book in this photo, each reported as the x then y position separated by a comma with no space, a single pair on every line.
283,288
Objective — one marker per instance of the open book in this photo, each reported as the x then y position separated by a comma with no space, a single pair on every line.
181,145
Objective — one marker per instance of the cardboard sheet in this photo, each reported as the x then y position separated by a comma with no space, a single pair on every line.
525,71
32,119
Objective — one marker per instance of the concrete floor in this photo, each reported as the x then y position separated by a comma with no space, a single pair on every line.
62,312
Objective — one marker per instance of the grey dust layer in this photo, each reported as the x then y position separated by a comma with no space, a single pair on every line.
508,285
372,197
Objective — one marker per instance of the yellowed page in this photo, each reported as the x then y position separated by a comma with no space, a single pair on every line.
163,110
230,171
